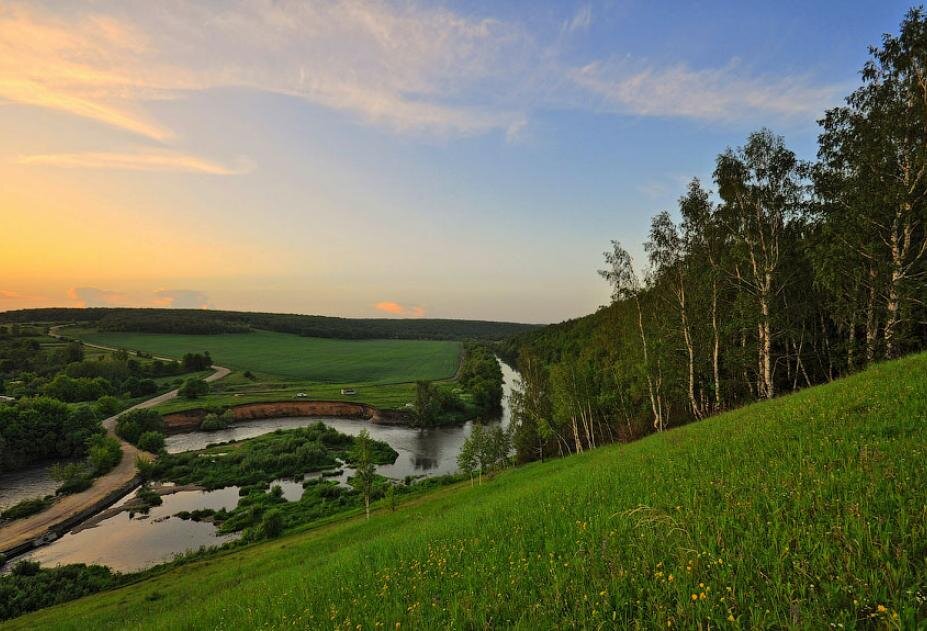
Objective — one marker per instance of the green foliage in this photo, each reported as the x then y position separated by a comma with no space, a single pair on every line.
152,442
481,377
486,448
103,453
193,389
131,425
364,467
27,507
69,389
28,587
148,497
194,362
592,540
208,322
40,429
107,405
279,454
272,524
213,422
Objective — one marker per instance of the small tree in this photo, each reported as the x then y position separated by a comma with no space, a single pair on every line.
466,459
107,405
193,388
272,523
151,441
364,470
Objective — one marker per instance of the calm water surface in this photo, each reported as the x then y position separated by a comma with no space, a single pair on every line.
128,543
26,484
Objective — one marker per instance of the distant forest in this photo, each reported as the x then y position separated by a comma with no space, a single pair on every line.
790,274
204,322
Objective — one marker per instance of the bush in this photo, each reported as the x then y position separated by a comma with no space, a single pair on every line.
193,388
29,587
272,524
107,405
75,485
151,441
148,497
213,421
27,507
131,425
103,453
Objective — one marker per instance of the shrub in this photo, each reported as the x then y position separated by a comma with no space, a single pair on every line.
148,497
272,524
107,405
131,425
26,508
103,453
75,485
29,587
213,421
151,441
193,388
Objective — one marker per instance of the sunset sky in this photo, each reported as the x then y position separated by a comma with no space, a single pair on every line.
416,159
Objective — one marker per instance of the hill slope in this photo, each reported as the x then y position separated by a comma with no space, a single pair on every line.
207,321
801,511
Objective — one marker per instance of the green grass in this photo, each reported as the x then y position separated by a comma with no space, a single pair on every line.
235,390
801,512
300,358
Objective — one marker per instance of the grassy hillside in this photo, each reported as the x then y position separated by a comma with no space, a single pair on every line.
294,357
799,512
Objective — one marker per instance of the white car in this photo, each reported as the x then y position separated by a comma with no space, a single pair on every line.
301,395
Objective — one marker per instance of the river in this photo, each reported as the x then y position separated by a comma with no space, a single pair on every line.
127,542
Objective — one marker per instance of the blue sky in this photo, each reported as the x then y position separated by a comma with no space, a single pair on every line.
467,159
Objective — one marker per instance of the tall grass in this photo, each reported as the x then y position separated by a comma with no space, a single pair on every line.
805,512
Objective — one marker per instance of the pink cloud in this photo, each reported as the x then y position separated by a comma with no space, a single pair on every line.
181,298
94,297
394,308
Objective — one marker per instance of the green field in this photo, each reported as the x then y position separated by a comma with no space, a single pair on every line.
803,512
299,358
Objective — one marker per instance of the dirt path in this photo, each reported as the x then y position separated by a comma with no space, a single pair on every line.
71,509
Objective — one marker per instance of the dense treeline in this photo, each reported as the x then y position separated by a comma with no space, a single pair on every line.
193,321
29,587
61,371
38,429
477,392
791,274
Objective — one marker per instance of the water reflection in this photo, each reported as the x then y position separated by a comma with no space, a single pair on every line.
128,543
26,484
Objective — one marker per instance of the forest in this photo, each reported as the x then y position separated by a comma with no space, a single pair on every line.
207,322
780,275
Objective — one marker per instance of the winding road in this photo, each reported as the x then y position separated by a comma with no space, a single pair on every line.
22,534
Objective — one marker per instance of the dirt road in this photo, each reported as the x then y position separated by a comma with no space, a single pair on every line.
69,510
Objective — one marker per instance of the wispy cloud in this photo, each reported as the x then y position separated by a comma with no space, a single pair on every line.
402,66
181,298
139,161
394,308
627,86
95,297
580,21
409,67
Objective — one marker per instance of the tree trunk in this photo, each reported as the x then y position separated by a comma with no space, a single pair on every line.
716,350
766,348
687,338
657,419
872,323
